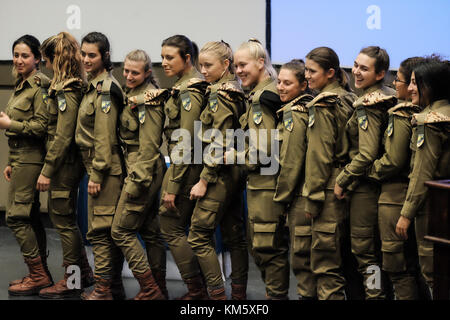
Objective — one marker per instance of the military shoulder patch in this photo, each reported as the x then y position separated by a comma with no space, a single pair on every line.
61,101
141,110
213,103
186,100
363,121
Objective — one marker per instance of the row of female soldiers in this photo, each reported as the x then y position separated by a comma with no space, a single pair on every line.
364,158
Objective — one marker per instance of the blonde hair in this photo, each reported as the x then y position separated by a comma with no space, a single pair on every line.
142,56
257,51
222,50
64,53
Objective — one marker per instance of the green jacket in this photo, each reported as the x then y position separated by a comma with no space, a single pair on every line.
27,107
365,132
225,105
327,146
260,114
395,163
63,102
431,154
292,134
97,124
142,123
183,108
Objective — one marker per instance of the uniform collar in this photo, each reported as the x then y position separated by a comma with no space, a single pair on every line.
29,82
439,104
262,84
373,88
99,78
139,89
331,86
193,73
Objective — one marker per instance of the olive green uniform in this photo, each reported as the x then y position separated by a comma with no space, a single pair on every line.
266,218
222,202
392,170
292,134
27,110
430,145
63,165
96,135
365,132
141,126
182,108
326,154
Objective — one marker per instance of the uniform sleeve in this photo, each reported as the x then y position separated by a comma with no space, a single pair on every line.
396,152
425,162
319,159
150,136
65,131
178,171
104,138
292,158
37,125
369,142
222,120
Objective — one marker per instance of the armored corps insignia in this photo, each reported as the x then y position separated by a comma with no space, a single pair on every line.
390,127
288,124
420,135
142,114
186,101
257,117
106,106
61,102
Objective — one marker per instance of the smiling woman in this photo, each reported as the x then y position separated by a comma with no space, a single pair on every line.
97,139
25,122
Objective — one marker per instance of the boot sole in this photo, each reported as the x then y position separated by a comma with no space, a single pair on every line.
76,294
33,292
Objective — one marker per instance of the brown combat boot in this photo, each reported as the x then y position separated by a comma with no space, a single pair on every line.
217,294
160,278
44,263
87,276
60,289
102,290
196,289
238,291
38,279
149,287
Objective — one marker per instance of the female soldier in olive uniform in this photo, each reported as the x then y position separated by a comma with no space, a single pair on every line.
220,189
62,169
266,219
431,152
293,89
96,135
179,56
393,169
327,152
365,132
140,131
25,122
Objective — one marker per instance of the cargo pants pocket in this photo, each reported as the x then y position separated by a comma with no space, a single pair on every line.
102,218
60,202
393,256
205,214
363,240
21,206
132,215
324,236
264,235
302,239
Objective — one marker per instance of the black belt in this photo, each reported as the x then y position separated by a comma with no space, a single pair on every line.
25,143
